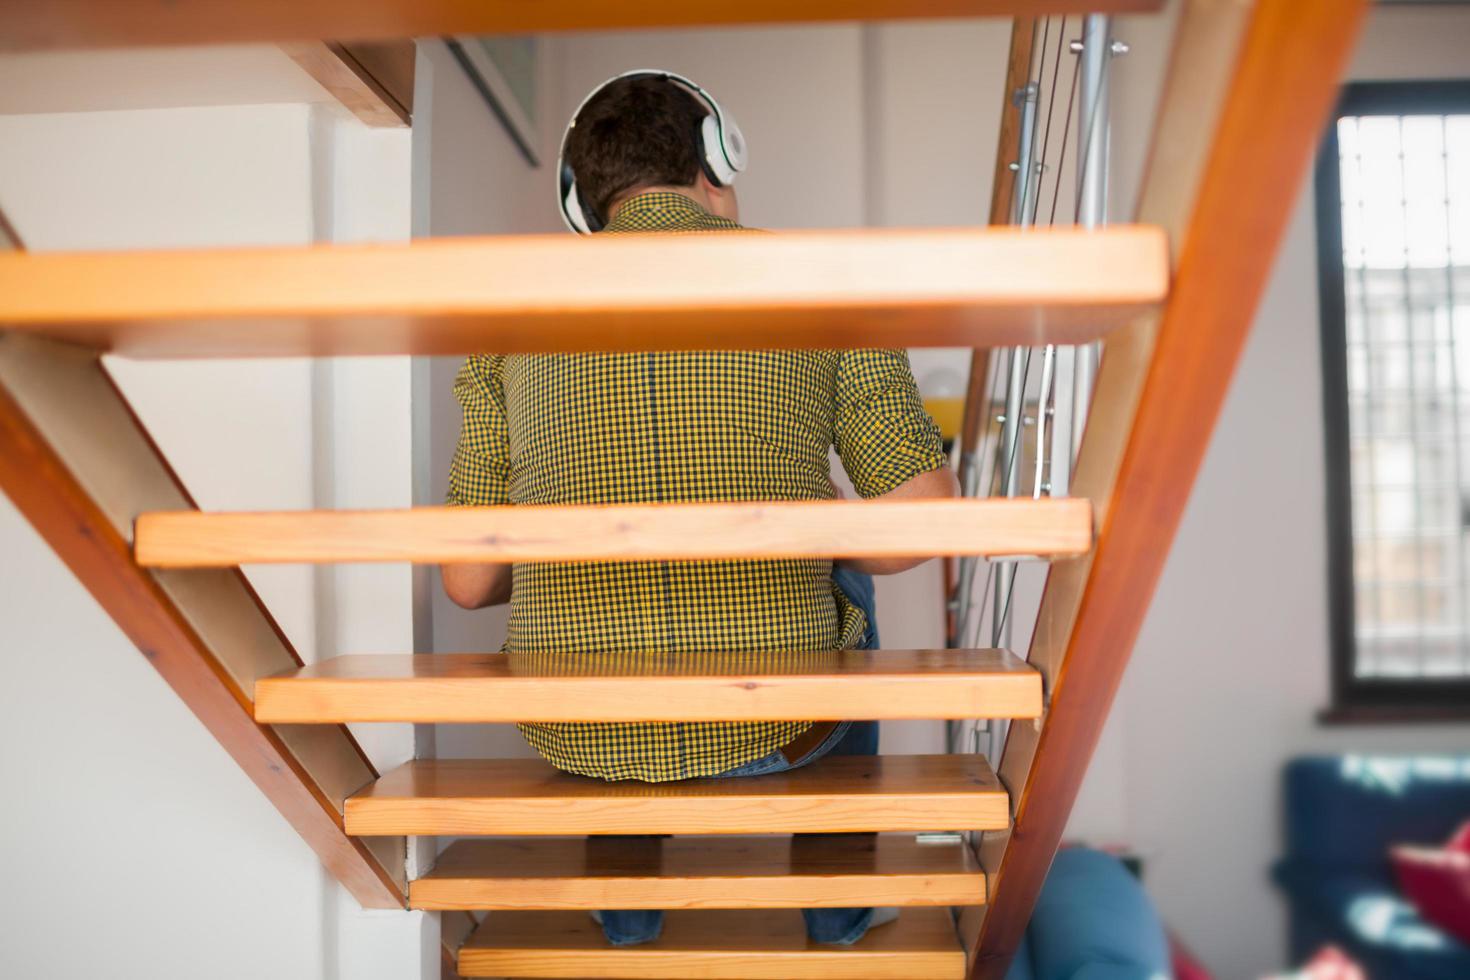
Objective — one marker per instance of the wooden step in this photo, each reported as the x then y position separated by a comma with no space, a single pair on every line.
865,288
110,23
529,796
810,871
621,532
746,944
491,687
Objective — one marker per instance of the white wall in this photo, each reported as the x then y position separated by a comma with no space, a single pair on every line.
135,846
470,179
191,863
1232,663
798,93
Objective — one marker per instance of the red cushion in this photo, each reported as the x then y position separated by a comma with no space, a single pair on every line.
1186,967
1437,882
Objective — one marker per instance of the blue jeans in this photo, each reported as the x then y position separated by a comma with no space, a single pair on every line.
841,927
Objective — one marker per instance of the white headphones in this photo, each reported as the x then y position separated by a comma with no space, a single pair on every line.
724,154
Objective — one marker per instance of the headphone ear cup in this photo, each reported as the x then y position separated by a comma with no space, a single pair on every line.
578,218
734,143
717,162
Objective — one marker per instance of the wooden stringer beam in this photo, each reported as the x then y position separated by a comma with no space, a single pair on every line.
1247,92
79,465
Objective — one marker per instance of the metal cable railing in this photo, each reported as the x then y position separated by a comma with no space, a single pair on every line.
1033,418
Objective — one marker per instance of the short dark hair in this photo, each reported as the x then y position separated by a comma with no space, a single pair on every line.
636,131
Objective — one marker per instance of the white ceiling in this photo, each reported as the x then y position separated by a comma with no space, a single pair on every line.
152,78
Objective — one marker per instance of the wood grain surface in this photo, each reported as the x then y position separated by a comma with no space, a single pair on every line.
546,293
25,24
725,945
499,687
807,871
619,532
529,796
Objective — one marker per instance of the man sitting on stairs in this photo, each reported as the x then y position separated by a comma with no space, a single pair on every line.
653,152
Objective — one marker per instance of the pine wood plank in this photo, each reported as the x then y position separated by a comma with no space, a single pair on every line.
809,871
1161,386
95,23
500,687
619,532
529,796
542,293
726,945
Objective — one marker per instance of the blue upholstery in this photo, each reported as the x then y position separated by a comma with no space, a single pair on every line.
1345,811
1342,815
1021,964
1093,921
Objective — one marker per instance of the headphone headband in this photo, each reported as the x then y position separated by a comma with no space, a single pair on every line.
722,148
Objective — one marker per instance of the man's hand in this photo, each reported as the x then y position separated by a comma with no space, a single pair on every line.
476,586
939,483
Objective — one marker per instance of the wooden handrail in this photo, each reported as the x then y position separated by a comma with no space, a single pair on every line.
544,293
1210,180
102,23
78,465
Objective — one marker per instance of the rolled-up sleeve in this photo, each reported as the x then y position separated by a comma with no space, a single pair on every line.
479,474
884,436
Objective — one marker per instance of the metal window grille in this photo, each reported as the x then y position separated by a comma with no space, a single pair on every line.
1395,253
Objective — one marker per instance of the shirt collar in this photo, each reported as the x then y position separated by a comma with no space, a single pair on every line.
672,206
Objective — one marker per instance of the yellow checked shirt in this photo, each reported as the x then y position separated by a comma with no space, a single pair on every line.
671,426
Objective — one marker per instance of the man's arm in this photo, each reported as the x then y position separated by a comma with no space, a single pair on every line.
889,446
476,586
479,475
937,483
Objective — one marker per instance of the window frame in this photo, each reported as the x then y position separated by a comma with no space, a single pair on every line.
1355,698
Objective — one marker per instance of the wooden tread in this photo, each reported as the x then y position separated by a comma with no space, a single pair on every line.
746,944
1059,527
862,288
107,23
529,796
809,871
497,687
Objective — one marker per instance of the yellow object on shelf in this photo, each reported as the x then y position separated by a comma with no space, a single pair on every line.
946,413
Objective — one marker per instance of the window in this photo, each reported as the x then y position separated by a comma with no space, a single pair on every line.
1393,220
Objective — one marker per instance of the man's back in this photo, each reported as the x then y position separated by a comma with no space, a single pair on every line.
676,426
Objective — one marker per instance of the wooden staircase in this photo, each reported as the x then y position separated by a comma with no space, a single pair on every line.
750,944
694,872
1228,152
825,686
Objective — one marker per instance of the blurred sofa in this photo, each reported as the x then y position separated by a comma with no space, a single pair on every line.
1093,921
1342,815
